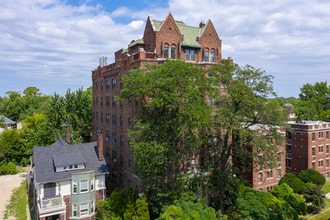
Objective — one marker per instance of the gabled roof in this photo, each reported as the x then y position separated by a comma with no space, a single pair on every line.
190,33
6,120
60,153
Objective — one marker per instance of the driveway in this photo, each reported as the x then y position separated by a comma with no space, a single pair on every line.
7,184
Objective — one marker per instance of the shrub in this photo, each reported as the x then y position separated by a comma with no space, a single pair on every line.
294,182
312,176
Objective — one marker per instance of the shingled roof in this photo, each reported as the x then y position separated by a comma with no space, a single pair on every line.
189,33
60,153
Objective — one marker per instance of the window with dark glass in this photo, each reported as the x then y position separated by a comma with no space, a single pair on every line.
212,56
107,100
114,119
114,83
114,101
107,84
173,52
190,54
166,51
206,56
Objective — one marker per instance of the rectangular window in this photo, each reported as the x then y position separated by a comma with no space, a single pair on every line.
107,118
114,119
313,136
173,52
269,174
321,149
114,138
327,162
313,165
327,148
74,187
190,55
288,135
212,57
92,184
288,148
321,134
114,156
83,185
288,162
107,100
327,134
259,177
114,83
83,209
121,121
279,173
107,84
74,210
206,56
114,101
313,151
92,206
320,163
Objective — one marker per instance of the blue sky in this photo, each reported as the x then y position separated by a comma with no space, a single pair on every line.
55,44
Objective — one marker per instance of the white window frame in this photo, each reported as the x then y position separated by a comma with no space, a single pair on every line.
84,210
74,210
83,186
92,184
74,187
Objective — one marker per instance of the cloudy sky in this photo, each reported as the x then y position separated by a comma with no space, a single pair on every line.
55,44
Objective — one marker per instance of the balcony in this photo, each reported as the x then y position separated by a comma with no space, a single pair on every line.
51,205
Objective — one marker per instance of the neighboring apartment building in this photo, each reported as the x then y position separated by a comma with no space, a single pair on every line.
260,174
167,39
307,147
68,180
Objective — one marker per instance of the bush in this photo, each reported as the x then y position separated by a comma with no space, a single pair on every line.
9,168
294,182
312,176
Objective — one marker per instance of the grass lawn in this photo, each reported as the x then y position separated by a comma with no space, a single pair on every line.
18,203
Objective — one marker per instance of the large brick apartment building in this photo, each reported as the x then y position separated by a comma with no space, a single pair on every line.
167,39
307,147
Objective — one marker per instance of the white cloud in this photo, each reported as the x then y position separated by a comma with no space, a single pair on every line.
57,42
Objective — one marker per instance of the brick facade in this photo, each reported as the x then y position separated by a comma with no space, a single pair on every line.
161,39
308,146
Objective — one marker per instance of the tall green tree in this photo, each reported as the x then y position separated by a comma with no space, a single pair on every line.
314,102
185,110
72,111
243,120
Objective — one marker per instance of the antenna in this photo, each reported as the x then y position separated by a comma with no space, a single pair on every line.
103,61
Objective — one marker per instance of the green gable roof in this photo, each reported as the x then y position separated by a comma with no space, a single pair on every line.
190,33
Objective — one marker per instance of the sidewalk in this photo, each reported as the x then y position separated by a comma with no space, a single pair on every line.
7,184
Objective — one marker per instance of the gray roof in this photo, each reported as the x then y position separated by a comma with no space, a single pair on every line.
7,121
61,153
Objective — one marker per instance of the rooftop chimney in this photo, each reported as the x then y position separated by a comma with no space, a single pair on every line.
67,135
201,24
100,146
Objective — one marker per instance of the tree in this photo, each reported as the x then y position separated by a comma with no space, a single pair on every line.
243,105
314,102
314,197
185,110
293,204
297,185
312,176
72,111
188,210
253,204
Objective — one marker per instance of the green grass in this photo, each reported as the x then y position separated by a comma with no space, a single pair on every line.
18,203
